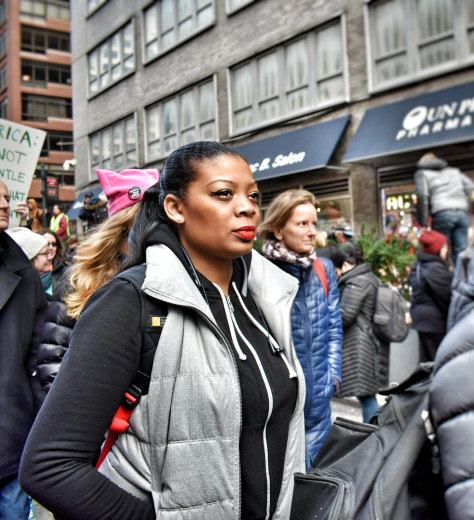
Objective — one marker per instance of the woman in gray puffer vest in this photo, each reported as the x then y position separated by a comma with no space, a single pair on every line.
219,432
365,360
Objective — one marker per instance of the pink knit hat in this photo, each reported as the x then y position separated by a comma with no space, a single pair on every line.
127,187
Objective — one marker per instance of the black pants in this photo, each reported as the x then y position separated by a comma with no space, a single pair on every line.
429,343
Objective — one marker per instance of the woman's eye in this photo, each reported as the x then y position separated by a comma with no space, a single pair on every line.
222,193
255,195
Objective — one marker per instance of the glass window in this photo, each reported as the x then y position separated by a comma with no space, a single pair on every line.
334,213
92,5
296,75
112,60
187,117
37,73
168,22
41,9
413,36
3,77
299,76
39,108
34,39
233,5
114,147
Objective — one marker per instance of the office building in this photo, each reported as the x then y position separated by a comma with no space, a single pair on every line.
35,84
340,97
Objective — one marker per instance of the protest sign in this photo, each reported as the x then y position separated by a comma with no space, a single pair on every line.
20,147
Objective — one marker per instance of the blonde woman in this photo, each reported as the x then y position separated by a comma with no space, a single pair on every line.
288,233
99,258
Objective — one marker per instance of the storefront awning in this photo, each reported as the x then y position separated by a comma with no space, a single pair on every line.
305,149
78,203
435,119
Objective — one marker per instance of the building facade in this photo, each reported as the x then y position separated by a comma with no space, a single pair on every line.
340,97
35,84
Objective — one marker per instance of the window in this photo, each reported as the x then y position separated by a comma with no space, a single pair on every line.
38,40
39,108
313,76
187,117
410,38
115,147
57,142
3,77
4,108
234,5
3,8
41,9
37,73
169,22
112,59
93,5
3,44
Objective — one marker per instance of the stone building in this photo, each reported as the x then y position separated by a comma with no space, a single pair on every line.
341,97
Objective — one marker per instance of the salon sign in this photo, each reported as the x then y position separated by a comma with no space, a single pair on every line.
301,150
20,148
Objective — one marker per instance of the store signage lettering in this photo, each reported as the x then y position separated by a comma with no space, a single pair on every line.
398,202
423,120
280,160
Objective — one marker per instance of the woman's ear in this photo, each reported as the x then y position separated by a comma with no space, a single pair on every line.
278,234
173,209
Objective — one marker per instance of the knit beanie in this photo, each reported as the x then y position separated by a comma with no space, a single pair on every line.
30,242
432,241
126,187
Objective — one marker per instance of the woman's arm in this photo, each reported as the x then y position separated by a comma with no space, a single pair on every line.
335,322
97,369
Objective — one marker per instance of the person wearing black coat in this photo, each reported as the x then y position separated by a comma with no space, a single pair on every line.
452,412
365,360
57,330
22,308
430,280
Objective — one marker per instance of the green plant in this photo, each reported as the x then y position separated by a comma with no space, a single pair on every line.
390,259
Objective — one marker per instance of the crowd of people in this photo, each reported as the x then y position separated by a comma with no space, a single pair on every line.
252,346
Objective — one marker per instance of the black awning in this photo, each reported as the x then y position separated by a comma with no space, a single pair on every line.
308,148
78,203
435,119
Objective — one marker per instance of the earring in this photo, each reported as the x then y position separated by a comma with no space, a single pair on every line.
179,218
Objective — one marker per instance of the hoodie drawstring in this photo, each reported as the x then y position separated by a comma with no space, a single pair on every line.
267,334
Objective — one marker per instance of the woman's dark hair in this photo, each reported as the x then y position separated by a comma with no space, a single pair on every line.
179,170
59,246
352,256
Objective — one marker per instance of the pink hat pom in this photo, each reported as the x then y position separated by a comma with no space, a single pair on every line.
126,187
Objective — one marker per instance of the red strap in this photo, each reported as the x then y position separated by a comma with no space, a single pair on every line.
321,273
119,425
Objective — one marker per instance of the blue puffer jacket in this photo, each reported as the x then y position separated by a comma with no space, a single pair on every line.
317,336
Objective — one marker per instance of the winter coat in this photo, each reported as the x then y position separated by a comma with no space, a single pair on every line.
430,280
57,330
440,187
317,335
462,287
22,308
365,360
452,409
191,467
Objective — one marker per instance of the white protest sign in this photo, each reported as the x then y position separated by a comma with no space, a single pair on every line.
20,147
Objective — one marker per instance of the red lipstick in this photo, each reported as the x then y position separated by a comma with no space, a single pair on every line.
245,232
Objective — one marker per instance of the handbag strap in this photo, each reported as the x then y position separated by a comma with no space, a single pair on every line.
321,274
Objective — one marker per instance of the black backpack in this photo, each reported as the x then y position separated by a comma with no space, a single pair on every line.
153,317
386,470
391,321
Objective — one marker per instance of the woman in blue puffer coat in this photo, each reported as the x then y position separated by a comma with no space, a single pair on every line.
288,232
